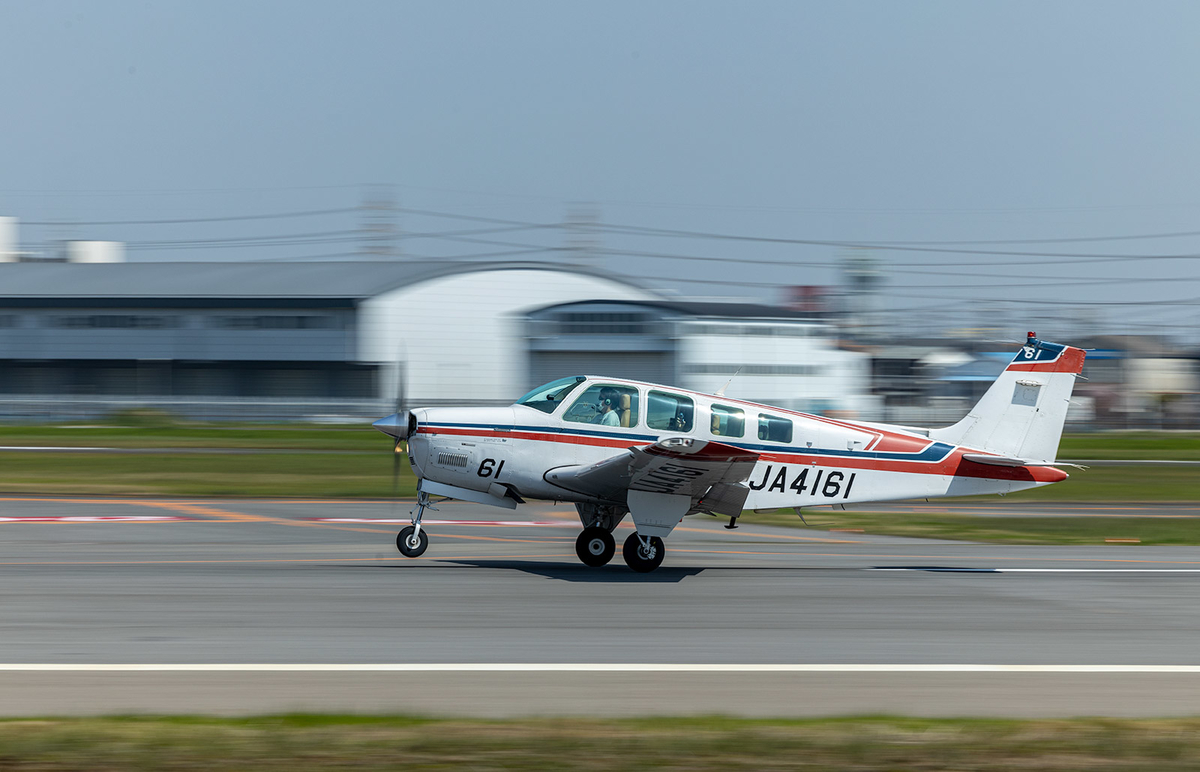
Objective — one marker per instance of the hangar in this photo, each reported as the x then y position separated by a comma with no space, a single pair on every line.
765,353
272,339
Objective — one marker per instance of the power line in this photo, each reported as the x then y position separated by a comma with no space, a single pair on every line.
850,244
675,233
182,221
294,239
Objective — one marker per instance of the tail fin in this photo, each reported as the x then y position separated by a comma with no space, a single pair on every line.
1023,412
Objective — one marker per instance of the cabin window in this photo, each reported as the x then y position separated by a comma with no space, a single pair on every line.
774,429
670,412
605,404
728,421
548,397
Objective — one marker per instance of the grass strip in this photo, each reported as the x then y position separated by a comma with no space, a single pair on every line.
1118,483
1000,530
1121,445
141,430
368,743
248,436
268,474
370,475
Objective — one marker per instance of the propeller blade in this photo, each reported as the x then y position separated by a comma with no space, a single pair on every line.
396,452
401,383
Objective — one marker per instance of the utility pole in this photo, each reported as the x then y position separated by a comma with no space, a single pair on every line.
377,226
583,239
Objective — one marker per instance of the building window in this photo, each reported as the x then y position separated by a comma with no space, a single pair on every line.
608,323
274,322
774,429
728,421
670,412
606,404
115,322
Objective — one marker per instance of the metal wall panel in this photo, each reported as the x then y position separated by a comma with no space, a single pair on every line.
656,367
252,335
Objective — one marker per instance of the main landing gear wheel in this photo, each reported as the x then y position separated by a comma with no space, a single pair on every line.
595,546
410,543
643,554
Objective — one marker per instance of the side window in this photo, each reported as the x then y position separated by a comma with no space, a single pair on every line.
670,412
728,421
774,429
606,404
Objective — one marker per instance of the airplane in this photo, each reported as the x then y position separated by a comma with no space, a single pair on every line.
615,447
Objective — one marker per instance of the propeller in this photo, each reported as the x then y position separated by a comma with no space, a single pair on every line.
399,424
401,378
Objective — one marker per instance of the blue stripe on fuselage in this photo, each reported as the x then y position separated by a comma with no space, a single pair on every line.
935,452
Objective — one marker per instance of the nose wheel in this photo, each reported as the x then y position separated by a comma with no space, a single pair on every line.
595,546
412,543
643,553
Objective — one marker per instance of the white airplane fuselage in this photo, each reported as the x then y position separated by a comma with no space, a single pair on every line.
825,461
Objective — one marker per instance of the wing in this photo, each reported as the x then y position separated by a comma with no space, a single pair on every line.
711,474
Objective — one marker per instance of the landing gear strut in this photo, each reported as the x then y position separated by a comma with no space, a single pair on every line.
643,553
595,546
412,541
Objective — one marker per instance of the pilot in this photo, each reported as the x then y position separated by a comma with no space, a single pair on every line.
610,398
682,422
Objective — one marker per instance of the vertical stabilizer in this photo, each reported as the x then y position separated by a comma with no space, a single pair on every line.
1023,412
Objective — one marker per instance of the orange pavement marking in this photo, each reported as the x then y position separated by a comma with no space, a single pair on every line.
397,558
226,515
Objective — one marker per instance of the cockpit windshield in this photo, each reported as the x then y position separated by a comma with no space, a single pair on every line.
547,398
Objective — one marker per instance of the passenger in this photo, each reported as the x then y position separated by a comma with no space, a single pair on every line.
610,398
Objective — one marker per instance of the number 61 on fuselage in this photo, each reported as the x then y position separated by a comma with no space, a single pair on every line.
616,447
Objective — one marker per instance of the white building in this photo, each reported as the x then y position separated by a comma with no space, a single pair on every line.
273,339
765,354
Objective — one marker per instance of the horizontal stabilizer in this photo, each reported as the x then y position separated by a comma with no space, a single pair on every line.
982,458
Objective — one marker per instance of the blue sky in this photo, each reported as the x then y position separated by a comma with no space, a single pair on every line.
855,121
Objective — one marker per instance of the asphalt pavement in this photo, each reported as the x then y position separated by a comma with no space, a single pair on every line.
237,606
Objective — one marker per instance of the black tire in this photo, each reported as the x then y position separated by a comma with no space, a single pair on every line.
595,546
411,550
639,561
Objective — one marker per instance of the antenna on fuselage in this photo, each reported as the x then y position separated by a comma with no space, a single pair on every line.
721,391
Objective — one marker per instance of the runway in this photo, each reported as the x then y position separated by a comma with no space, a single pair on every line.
503,620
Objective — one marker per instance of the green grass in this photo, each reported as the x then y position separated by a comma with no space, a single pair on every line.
320,475
156,431
1001,530
1119,483
338,743
279,437
1173,446
358,462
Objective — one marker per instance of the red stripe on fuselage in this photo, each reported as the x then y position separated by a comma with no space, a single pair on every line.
952,466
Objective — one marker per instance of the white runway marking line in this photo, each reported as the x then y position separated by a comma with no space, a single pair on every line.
587,667
953,570
94,519
427,521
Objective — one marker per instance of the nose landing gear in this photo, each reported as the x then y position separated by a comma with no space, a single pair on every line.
412,541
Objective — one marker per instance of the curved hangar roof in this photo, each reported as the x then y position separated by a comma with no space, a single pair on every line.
316,281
